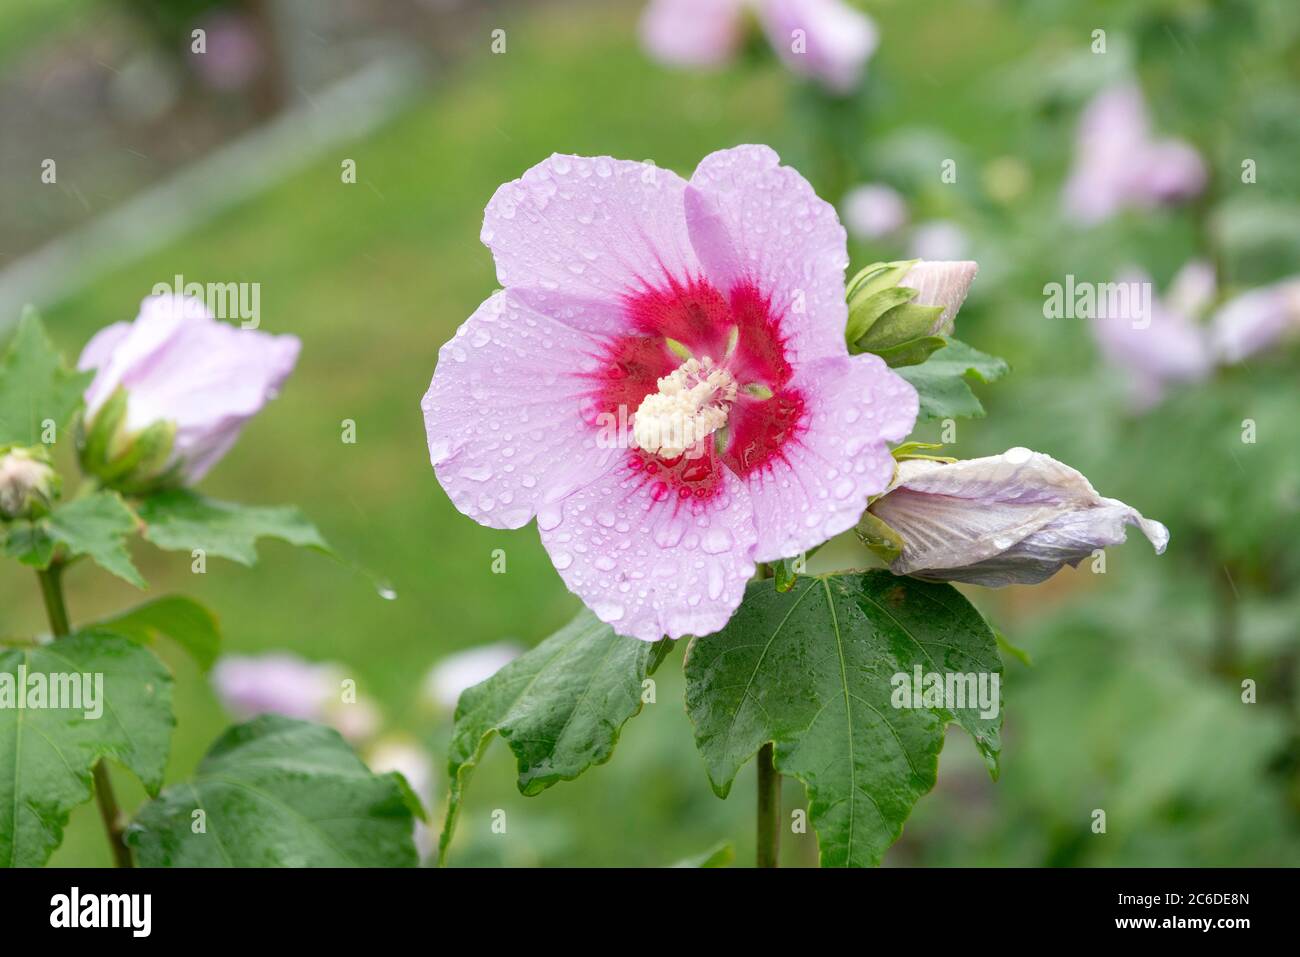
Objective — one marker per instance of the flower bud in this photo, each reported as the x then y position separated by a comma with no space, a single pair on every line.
28,485
172,392
1014,518
896,307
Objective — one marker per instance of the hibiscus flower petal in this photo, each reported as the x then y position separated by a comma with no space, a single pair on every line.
649,562
819,485
755,222
505,415
581,234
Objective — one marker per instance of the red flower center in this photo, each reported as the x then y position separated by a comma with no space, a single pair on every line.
738,331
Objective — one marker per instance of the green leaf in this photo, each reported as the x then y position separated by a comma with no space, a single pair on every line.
35,385
560,707
47,754
720,855
96,525
814,672
181,520
181,619
942,381
277,792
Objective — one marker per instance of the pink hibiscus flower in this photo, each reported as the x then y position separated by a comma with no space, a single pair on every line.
828,41
664,383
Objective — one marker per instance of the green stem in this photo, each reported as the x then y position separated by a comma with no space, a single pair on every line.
769,809
57,612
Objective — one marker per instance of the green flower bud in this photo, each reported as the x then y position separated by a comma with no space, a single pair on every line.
28,485
129,462
902,311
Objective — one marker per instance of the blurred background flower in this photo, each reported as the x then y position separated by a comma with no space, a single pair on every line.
974,114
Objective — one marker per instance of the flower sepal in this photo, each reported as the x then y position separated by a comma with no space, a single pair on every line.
883,542
133,463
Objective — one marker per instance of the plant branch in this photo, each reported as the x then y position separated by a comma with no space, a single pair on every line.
769,809
56,610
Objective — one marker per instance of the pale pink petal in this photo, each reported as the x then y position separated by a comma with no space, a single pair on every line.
1111,140
117,356
827,40
1256,320
180,365
580,233
1014,518
820,483
1169,171
753,220
692,32
505,415
1151,343
649,563
941,284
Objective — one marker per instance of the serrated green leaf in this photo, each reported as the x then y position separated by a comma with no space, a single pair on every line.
182,520
560,708
812,671
47,755
97,526
181,619
278,792
35,385
942,381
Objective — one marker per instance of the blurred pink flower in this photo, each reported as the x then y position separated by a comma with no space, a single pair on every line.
826,40
1015,518
454,674
637,302
938,239
1256,320
1118,165
178,364
692,32
1165,347
233,55
873,211
285,684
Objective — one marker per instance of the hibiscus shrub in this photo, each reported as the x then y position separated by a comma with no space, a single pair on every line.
678,384
154,405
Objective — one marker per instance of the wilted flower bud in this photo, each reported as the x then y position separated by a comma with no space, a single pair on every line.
1014,518
27,483
172,391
